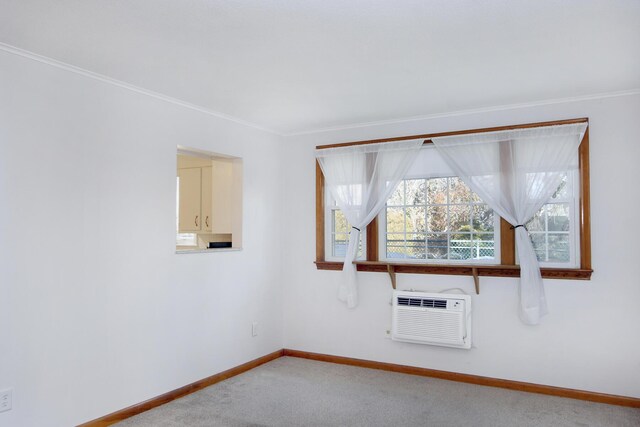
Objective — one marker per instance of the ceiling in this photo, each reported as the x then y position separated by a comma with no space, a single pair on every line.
301,65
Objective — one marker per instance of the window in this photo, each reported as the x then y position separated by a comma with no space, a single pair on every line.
438,219
553,229
337,232
433,223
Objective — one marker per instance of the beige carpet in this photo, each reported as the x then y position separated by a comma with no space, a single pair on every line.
298,392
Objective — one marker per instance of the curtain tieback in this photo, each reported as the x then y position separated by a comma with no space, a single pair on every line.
355,228
513,227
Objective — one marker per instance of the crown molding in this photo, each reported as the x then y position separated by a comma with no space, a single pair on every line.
119,83
486,109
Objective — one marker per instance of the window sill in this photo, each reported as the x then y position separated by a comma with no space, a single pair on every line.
459,270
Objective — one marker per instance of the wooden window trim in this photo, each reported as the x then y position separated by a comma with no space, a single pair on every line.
507,266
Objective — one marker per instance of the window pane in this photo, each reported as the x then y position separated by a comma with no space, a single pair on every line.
460,218
339,245
395,220
558,216
537,223
397,197
484,246
539,241
459,224
461,246
415,191
437,218
416,246
396,246
437,247
550,233
415,220
558,248
460,193
483,219
437,191
340,224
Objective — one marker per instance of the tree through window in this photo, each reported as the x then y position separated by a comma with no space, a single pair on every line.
438,219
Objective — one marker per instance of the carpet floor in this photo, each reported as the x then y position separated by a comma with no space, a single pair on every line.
297,392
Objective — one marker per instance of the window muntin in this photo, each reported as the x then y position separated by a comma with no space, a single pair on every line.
438,220
554,228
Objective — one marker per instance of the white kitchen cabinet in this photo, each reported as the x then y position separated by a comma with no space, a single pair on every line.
221,196
209,201
206,198
190,212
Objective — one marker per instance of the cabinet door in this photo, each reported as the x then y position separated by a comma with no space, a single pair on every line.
189,213
206,199
221,201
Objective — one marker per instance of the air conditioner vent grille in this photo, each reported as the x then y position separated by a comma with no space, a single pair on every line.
422,302
432,318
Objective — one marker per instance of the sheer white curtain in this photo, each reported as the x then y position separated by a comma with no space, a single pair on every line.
361,178
516,172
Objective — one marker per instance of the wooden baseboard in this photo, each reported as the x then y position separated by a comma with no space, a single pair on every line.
610,399
180,392
122,414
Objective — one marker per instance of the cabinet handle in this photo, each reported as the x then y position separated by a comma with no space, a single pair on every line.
196,220
206,221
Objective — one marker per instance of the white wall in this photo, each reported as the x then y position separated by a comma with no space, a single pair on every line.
97,312
589,341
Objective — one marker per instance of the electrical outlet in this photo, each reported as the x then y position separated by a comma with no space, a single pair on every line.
5,399
254,329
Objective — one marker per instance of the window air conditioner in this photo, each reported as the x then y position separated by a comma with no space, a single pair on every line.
432,318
